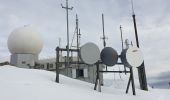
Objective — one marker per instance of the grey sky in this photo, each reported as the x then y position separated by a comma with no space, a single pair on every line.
47,16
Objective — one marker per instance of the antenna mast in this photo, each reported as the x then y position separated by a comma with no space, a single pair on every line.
77,31
104,37
135,27
79,36
141,69
67,8
121,36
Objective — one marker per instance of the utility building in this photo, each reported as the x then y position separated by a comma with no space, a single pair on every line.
25,44
82,72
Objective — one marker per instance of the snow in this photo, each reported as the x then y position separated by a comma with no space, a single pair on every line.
32,84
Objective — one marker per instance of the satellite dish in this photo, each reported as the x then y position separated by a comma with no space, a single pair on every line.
132,57
89,53
109,56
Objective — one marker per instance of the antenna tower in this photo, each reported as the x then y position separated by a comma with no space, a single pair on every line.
104,37
141,69
67,8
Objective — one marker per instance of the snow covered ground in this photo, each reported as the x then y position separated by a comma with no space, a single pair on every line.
31,84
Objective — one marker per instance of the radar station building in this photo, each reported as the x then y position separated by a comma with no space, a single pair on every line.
25,44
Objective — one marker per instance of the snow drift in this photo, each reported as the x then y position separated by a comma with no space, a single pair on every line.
32,84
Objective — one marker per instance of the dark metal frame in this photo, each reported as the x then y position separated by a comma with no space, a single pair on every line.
58,49
98,81
131,78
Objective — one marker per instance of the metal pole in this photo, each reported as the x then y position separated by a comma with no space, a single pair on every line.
98,82
67,35
67,8
121,36
57,64
122,43
142,77
77,30
127,89
141,69
131,79
136,33
79,37
104,37
133,83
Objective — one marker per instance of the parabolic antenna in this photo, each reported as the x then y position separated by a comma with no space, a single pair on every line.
132,57
89,53
109,56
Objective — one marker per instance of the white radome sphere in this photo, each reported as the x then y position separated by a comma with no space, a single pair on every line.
25,40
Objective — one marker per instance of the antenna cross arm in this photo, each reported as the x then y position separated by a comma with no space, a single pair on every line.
67,7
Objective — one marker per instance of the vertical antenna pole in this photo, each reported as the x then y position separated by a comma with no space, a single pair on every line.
121,36
67,8
57,64
79,36
104,38
77,31
136,33
141,69
134,22
122,44
67,34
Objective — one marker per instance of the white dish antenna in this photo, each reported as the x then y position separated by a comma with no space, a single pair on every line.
132,57
89,53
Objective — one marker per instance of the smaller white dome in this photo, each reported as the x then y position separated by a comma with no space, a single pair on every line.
25,40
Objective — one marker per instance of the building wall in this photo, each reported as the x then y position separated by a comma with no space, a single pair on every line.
23,60
82,72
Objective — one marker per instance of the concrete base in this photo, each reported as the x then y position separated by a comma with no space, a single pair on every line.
23,60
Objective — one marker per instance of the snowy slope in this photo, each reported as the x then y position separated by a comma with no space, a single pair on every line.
31,84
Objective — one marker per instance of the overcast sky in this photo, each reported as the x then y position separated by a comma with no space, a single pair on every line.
47,16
